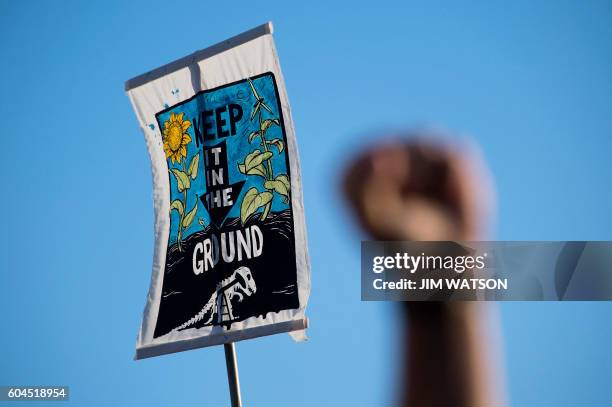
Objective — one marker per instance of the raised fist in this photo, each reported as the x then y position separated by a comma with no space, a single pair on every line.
418,189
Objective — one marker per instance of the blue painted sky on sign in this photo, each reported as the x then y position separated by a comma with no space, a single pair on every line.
238,145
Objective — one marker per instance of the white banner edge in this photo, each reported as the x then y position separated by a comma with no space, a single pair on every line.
150,351
198,56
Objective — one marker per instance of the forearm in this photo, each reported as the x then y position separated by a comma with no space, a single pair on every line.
426,191
448,363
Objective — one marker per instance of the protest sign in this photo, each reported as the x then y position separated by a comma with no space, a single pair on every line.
230,259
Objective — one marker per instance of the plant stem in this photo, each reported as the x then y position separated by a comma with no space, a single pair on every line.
184,207
266,210
265,146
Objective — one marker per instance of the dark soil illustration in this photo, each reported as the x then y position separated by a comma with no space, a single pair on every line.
184,293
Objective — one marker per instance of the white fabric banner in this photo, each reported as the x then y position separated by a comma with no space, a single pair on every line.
230,259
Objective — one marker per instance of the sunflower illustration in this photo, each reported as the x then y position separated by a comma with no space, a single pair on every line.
176,137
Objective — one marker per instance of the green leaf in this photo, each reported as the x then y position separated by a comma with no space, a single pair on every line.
281,185
259,170
285,180
265,212
278,143
188,219
253,135
252,201
178,205
265,124
193,166
253,163
255,158
182,180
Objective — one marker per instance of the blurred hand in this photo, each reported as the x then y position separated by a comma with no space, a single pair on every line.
429,190
419,190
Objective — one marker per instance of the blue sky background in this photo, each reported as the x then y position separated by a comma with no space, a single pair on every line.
530,81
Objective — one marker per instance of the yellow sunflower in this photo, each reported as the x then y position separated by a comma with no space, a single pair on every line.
176,137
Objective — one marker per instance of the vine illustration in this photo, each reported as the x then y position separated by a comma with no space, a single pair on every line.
259,163
176,140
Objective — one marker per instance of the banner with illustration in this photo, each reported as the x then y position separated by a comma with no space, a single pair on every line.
230,259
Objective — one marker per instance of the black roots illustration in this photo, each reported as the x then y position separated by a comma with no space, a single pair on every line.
259,163
175,140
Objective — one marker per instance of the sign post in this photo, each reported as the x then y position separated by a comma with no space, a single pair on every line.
230,260
232,374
